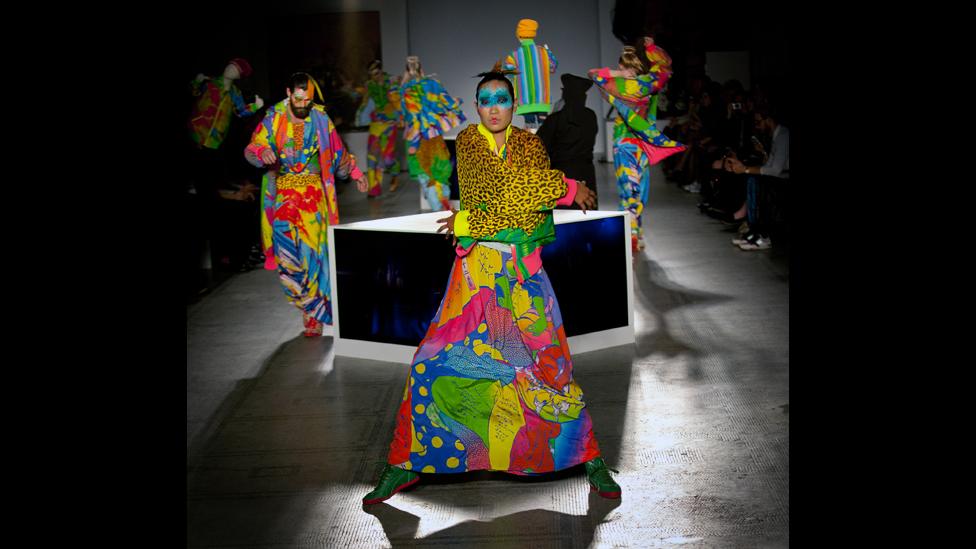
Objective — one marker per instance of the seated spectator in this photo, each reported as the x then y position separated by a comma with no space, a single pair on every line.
766,185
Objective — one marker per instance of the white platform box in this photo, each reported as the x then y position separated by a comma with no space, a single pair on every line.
389,277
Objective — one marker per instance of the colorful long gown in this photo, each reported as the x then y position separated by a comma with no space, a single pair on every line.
382,103
299,202
491,385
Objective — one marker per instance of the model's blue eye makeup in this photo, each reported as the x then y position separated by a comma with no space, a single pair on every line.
500,97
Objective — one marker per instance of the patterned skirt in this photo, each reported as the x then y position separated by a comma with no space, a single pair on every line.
491,385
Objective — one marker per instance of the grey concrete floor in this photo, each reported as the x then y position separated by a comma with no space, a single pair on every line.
284,438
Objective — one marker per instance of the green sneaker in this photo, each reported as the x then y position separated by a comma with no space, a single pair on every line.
600,480
391,481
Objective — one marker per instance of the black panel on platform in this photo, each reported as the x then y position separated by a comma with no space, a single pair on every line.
374,269
587,268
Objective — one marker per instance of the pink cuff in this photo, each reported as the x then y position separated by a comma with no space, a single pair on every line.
533,262
570,195
269,260
256,150
355,173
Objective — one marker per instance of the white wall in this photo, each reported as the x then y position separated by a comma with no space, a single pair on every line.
457,40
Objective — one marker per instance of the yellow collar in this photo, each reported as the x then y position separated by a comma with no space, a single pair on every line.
491,138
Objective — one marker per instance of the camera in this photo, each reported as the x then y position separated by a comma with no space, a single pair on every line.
736,106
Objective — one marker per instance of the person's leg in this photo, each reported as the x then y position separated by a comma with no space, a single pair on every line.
760,218
751,206
769,203
734,192
711,188
694,182
389,159
301,252
558,397
440,171
628,186
644,183
374,165
400,147
435,161
746,215
458,447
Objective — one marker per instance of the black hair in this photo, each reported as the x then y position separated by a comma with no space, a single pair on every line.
303,80
299,80
769,110
490,77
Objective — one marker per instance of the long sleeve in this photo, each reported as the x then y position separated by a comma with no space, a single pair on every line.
632,99
240,107
365,111
660,67
260,141
637,89
447,101
428,111
631,91
552,60
779,160
342,160
344,163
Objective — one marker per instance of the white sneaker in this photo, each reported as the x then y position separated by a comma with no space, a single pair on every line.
694,187
757,243
741,239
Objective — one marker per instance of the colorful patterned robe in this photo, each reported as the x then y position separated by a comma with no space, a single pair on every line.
491,385
299,202
382,104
